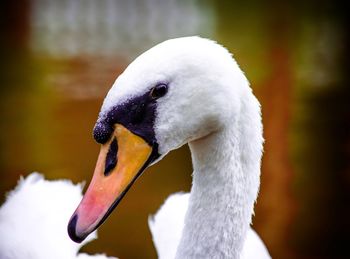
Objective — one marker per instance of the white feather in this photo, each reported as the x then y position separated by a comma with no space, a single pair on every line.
167,224
33,220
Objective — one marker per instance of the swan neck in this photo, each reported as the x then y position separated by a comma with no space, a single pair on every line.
225,184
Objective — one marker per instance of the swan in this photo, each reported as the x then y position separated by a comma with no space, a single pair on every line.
184,90
33,219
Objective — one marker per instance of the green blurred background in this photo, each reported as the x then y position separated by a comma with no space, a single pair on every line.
59,58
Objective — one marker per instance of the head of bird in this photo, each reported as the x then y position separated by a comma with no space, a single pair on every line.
177,92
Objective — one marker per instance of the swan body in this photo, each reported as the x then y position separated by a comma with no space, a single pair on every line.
33,220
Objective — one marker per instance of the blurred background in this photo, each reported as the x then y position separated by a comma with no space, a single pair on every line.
59,58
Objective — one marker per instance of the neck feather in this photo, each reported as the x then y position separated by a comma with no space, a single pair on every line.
225,185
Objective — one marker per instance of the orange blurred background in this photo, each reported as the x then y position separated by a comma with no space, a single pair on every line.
59,58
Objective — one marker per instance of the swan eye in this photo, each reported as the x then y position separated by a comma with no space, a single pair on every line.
159,91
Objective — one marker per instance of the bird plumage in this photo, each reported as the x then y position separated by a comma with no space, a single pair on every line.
33,220
167,224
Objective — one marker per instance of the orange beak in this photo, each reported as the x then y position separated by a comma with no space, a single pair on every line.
121,160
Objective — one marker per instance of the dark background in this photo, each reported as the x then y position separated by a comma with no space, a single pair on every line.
59,58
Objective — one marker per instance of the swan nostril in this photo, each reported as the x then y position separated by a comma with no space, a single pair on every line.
111,158
72,230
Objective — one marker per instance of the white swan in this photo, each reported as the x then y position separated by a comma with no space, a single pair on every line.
185,90
34,217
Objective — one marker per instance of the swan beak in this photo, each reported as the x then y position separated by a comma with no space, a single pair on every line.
121,160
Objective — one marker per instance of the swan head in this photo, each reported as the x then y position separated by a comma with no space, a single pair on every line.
178,91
